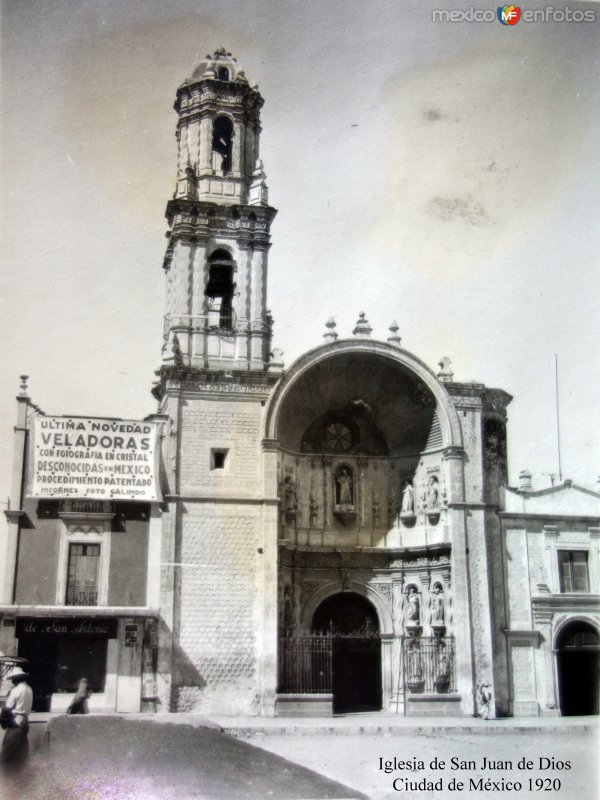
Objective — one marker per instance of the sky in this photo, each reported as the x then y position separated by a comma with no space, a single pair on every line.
443,175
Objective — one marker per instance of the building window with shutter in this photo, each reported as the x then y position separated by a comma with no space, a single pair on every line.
573,571
82,575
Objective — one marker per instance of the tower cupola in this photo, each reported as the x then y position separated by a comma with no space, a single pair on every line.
218,132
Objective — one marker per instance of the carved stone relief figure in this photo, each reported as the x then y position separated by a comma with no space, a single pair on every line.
394,504
289,607
376,511
314,509
290,496
397,607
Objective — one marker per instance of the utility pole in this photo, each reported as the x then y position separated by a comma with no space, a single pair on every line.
557,417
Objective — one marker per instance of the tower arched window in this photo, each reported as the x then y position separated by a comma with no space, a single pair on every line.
222,138
220,288
223,74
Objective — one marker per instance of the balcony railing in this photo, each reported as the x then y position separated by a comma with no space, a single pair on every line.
222,319
77,598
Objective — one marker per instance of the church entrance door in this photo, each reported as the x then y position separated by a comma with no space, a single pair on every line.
578,646
352,623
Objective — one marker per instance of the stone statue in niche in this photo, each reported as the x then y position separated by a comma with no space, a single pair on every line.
408,499
433,493
344,487
413,607
437,605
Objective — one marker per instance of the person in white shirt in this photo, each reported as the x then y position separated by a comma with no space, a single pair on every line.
20,698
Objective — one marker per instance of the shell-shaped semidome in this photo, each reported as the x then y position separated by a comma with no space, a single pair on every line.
393,400
222,65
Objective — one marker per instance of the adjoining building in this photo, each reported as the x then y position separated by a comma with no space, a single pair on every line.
551,560
336,536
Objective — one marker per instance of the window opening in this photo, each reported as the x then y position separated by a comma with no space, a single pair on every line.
573,571
222,144
82,575
218,458
219,289
223,74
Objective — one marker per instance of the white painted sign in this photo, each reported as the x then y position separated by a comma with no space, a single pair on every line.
103,459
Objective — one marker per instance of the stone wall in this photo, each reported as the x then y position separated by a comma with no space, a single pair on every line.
216,667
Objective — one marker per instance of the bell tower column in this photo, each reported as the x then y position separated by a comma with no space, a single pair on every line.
220,220
220,622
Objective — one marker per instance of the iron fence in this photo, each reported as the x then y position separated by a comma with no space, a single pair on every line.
428,664
305,664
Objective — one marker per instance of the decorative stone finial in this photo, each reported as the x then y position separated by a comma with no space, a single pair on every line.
23,386
330,335
525,480
445,374
394,338
362,329
259,192
276,363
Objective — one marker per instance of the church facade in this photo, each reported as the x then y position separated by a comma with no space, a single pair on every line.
335,536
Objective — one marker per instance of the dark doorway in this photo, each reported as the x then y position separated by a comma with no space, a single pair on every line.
578,646
353,625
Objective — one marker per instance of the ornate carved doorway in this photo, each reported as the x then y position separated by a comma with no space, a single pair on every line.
351,622
578,661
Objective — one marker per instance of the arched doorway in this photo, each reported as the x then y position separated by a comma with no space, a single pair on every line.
352,622
578,661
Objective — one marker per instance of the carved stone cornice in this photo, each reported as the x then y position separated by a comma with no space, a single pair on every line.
523,638
545,606
247,383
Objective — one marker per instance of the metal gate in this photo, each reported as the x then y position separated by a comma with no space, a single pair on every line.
308,661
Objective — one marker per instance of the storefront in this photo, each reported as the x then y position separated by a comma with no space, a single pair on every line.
115,651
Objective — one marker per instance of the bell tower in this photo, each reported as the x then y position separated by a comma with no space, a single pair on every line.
219,218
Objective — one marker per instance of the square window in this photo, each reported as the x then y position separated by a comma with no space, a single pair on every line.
218,458
573,571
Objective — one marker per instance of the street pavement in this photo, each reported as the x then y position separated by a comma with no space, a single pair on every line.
559,760
163,757
112,758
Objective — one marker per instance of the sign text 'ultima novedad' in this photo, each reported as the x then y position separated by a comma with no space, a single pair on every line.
95,458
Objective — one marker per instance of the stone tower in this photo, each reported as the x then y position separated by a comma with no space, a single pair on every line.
218,540
219,218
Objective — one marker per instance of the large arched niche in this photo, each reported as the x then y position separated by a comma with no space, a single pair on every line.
390,401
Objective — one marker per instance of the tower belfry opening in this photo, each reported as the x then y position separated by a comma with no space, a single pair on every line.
222,137
219,290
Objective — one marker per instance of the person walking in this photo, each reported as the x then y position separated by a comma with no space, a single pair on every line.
79,703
